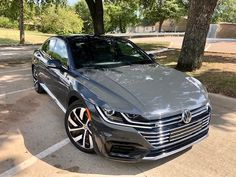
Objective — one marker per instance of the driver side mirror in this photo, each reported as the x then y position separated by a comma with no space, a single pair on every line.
54,63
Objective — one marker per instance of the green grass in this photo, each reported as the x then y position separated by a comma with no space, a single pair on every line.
11,37
7,41
153,46
218,71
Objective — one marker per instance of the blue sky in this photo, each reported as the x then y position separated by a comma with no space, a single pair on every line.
72,2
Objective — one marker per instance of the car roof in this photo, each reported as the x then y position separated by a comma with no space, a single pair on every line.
87,36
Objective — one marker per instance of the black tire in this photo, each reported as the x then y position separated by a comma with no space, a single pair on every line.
37,87
77,127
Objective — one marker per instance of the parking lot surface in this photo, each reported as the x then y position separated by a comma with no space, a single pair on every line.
33,141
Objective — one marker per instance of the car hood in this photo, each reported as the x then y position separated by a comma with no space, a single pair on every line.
148,90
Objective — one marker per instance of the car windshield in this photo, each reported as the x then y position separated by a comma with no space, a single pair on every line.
106,52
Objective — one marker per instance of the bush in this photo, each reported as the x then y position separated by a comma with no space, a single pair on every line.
61,21
7,23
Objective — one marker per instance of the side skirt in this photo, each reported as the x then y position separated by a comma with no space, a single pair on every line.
53,97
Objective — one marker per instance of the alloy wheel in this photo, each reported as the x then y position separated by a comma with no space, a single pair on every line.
78,128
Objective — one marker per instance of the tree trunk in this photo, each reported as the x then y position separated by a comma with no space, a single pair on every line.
21,23
96,11
122,28
160,25
199,18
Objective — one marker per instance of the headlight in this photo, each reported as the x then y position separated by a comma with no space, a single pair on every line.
110,115
132,116
108,112
113,116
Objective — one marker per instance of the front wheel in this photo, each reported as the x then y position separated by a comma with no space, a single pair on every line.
77,124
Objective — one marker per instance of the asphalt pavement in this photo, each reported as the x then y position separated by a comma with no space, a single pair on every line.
33,142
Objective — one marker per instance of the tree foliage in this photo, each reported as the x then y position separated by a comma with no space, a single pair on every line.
63,21
82,10
121,13
160,10
225,11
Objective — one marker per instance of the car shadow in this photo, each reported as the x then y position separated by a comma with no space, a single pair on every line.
43,126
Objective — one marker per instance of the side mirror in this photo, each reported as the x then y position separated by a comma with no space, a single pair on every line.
54,64
152,56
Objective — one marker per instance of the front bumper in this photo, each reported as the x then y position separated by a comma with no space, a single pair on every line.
129,144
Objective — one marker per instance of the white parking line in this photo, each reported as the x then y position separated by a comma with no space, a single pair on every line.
32,160
17,91
15,70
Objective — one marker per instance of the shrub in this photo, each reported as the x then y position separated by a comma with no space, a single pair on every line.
61,21
7,23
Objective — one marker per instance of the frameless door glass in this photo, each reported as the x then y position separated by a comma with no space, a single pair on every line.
60,52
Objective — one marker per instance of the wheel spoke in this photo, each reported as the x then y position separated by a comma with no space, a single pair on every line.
78,138
72,121
84,137
90,142
80,121
75,129
81,115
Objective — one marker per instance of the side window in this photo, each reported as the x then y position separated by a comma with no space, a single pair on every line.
49,46
60,52
45,46
126,48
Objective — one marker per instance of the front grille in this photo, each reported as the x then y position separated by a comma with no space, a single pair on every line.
171,130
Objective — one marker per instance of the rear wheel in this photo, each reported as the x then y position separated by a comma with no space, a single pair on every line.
38,88
77,124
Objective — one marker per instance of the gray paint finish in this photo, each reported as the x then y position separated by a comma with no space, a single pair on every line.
152,91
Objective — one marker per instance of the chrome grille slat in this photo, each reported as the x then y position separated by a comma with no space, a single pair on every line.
206,118
179,141
171,123
161,142
157,136
199,113
185,133
169,120
187,128
163,137
160,139
204,108
160,123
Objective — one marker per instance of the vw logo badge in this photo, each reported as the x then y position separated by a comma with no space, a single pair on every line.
186,116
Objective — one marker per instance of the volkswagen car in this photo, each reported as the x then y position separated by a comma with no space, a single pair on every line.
118,102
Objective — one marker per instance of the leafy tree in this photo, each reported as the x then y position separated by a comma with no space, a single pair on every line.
16,10
225,11
160,10
121,13
82,10
199,18
63,21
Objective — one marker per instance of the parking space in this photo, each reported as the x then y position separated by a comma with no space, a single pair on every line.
33,141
